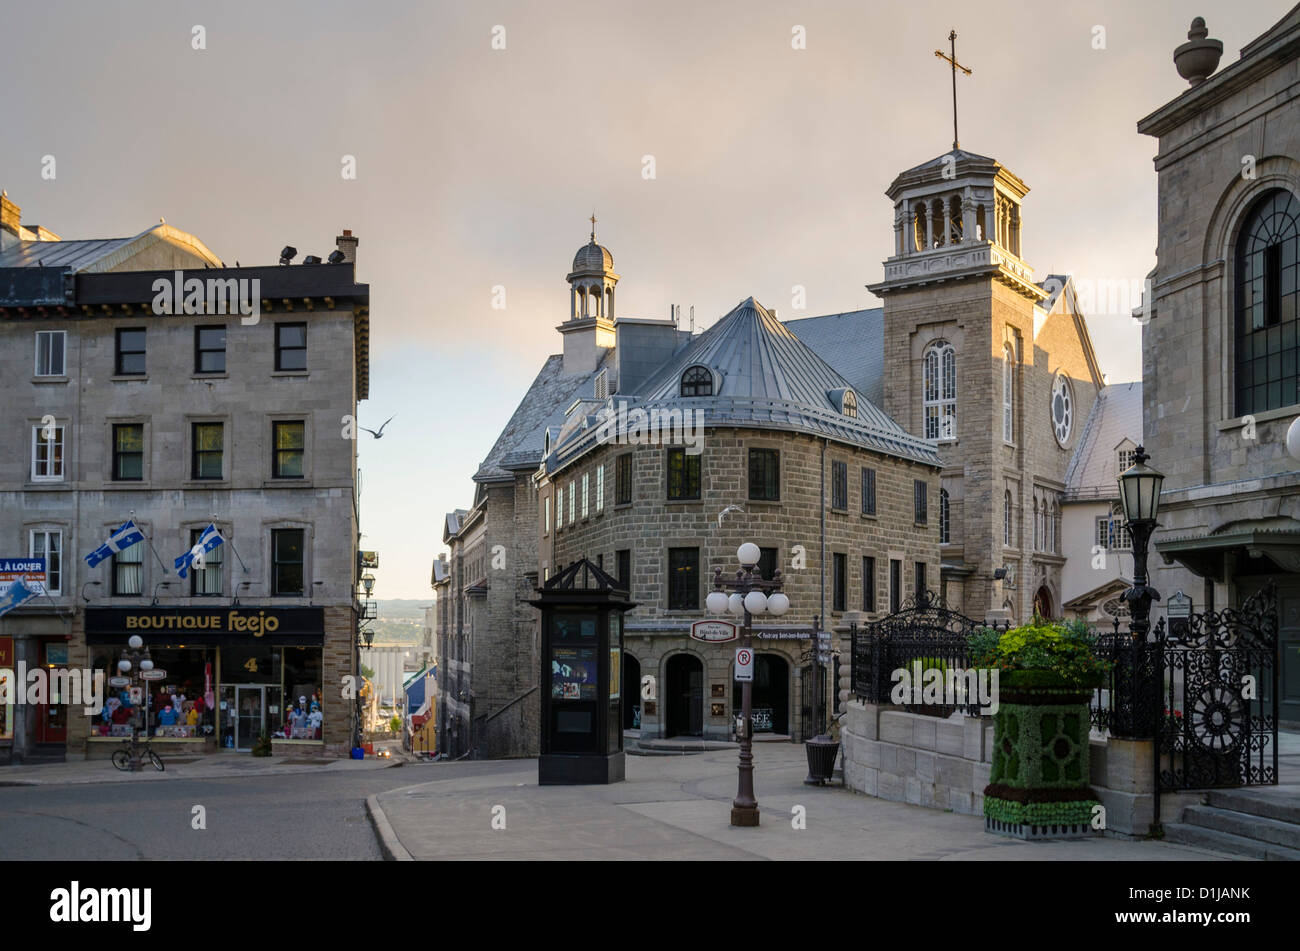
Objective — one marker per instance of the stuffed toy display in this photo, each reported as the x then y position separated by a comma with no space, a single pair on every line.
167,717
314,719
192,718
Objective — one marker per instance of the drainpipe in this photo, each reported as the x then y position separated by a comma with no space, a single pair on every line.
816,664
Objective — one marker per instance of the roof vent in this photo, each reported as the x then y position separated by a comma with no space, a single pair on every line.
602,385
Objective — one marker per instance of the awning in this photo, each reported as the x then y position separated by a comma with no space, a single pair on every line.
1274,541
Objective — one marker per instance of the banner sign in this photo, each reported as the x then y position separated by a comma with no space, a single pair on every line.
248,624
30,571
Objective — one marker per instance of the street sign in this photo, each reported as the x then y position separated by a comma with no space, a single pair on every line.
155,674
744,665
119,682
783,633
714,632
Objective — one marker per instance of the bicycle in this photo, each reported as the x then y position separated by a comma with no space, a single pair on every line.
122,757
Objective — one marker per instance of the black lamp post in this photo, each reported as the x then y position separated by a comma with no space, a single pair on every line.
135,660
751,595
1139,491
366,636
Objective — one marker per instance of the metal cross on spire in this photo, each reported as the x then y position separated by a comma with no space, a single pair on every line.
593,226
952,40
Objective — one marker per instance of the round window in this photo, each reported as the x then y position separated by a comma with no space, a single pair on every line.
1062,409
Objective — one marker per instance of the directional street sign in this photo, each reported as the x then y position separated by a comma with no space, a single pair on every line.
744,664
714,631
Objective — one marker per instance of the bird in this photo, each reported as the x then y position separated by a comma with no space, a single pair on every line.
380,434
728,509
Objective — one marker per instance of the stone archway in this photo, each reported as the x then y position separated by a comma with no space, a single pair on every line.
683,696
1043,604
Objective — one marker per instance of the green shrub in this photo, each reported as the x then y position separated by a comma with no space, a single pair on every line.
1067,649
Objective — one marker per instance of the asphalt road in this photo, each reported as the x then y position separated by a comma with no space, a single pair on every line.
253,817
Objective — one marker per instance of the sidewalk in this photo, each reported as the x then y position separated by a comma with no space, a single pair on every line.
220,765
678,807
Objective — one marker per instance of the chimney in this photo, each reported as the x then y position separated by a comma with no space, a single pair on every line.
348,245
10,218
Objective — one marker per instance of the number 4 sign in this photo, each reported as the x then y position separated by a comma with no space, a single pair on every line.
744,664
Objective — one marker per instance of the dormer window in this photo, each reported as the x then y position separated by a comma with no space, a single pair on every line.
697,381
850,404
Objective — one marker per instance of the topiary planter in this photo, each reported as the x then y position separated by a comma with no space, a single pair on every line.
1038,786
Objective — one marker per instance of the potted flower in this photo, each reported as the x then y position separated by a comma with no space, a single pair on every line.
1039,781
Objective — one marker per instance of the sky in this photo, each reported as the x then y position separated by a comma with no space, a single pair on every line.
476,168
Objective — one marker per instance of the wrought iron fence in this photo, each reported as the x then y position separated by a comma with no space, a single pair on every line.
923,635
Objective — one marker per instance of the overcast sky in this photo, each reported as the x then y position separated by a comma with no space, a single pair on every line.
478,167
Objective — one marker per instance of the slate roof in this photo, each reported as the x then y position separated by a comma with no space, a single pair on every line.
853,343
521,441
1115,415
768,378
63,254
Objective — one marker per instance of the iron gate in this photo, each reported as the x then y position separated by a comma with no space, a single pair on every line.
1218,679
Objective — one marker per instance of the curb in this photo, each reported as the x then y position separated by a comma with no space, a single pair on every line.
94,780
389,844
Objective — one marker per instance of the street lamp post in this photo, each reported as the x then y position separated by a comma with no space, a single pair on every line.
366,636
751,594
136,659
1139,491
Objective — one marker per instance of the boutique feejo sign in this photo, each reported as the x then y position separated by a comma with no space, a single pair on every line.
199,625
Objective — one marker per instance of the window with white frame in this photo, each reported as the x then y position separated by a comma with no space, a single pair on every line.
559,506
1008,390
48,544
600,487
1126,458
586,494
47,453
51,352
940,391
546,518
573,501
1113,533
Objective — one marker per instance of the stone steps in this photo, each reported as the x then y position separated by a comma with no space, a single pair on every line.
1254,823
1202,837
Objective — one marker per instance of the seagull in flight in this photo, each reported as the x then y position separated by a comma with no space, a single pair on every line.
729,509
380,434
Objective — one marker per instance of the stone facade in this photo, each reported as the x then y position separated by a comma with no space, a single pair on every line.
972,291
650,525
82,502
1230,511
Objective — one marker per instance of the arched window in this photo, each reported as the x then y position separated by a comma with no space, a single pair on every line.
1008,390
1062,409
697,381
1267,351
850,404
922,232
937,224
945,535
940,391
1037,523
1006,518
954,220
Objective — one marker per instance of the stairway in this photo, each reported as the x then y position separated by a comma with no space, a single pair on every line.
1259,823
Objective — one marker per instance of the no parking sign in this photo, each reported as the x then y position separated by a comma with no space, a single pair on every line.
744,664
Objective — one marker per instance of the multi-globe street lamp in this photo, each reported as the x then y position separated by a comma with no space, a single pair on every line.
136,658
751,594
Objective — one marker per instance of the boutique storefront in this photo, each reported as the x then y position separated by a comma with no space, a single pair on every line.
222,678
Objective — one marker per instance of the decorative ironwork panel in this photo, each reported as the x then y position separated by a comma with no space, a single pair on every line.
923,631
1218,718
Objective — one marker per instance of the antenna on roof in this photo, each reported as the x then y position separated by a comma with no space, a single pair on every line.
692,318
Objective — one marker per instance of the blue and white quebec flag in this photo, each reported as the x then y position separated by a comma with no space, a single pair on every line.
122,538
194,558
17,595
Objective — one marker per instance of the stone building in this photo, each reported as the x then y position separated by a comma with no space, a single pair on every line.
124,408
682,451
1095,541
1220,351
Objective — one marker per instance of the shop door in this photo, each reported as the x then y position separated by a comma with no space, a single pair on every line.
685,699
52,717
250,717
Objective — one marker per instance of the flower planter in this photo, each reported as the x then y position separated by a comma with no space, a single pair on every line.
1038,786
821,760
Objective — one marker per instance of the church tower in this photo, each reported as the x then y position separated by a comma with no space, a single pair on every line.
959,324
589,331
